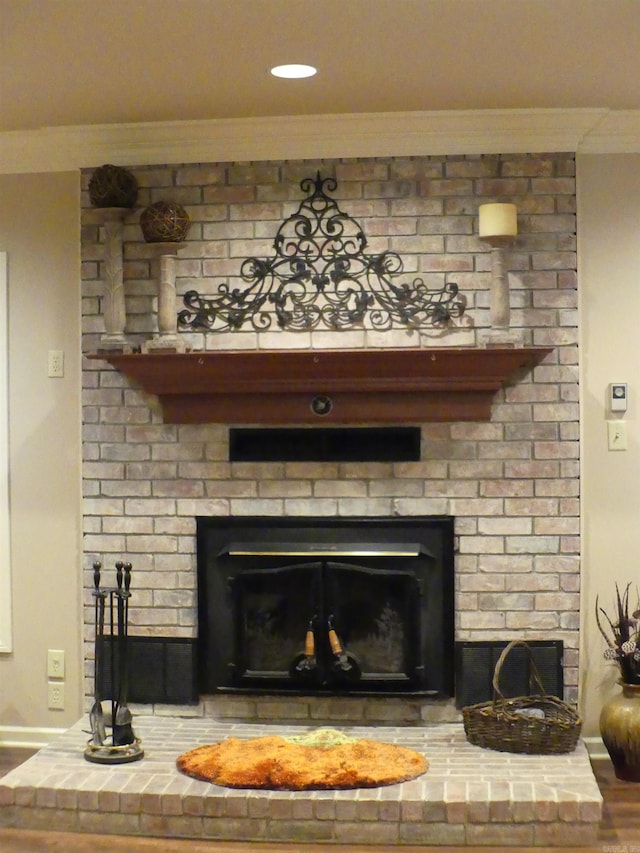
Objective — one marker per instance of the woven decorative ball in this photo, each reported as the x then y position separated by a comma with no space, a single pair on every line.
113,186
164,222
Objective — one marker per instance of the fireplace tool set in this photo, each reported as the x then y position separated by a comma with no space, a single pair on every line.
121,746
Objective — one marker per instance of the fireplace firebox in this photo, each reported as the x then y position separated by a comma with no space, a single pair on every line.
313,605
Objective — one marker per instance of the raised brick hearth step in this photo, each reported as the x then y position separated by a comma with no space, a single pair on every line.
469,795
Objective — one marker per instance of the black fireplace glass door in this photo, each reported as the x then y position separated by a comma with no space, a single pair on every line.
274,608
325,623
375,613
336,605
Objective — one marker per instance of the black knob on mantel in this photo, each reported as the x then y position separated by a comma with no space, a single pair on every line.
321,405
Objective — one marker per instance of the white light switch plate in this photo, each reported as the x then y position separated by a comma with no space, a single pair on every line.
617,435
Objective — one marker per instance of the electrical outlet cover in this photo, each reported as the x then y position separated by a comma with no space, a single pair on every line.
55,695
56,364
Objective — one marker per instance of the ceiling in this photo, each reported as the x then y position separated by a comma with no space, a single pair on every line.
85,62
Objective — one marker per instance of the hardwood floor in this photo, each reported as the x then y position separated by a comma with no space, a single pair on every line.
619,830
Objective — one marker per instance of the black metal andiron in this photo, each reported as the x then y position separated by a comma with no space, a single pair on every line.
121,746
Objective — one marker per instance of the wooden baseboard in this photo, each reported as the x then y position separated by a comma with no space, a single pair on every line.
27,737
596,748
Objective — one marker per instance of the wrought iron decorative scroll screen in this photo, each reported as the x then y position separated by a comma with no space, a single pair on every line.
320,275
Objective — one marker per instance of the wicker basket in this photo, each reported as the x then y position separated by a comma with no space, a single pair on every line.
536,725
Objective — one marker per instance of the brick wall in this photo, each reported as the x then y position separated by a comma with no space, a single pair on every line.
512,483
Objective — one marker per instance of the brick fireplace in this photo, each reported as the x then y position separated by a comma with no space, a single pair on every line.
511,483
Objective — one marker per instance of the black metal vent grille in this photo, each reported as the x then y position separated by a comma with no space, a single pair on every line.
476,662
335,444
161,670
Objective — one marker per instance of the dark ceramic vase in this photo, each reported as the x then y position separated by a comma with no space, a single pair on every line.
620,730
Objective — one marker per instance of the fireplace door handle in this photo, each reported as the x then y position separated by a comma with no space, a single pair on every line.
345,663
304,665
310,644
334,642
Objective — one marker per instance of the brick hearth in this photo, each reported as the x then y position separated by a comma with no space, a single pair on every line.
468,796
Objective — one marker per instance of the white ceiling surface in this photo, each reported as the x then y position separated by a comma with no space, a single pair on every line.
86,63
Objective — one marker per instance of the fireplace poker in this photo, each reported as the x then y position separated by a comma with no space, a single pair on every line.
96,715
122,728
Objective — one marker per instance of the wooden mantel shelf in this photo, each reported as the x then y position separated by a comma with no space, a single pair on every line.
326,386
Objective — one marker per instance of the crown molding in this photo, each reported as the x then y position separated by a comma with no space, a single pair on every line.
56,149
617,132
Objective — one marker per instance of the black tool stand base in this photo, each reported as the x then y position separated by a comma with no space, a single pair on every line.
108,754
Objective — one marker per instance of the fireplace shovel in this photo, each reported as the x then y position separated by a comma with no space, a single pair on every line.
122,728
96,716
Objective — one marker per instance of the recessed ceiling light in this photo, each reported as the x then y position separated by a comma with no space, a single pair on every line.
294,71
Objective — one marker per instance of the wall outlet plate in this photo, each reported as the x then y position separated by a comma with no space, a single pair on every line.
55,364
55,695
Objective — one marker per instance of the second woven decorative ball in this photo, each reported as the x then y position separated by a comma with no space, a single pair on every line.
113,186
164,222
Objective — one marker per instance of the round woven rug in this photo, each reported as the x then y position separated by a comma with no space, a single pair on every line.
321,760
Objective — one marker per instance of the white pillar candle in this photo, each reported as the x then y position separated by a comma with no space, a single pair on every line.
498,220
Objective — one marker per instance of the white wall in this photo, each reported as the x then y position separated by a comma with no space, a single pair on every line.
609,292
39,230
